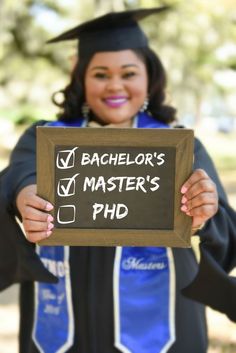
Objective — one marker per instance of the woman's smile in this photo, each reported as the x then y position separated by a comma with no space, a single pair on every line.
115,101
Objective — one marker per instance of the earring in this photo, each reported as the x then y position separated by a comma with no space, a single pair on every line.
145,105
85,110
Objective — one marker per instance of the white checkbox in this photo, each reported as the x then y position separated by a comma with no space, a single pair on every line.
63,189
66,186
66,214
66,159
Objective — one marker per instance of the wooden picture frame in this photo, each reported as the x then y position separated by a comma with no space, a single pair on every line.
52,142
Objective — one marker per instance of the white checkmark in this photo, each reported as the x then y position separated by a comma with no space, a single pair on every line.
64,163
66,189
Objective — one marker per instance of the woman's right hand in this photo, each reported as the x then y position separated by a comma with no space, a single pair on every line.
37,222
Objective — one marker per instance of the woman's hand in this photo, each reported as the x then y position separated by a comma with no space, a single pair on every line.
200,198
37,222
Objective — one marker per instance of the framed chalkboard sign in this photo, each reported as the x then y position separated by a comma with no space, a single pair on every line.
113,187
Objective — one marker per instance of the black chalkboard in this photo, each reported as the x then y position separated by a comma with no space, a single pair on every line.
121,188
108,187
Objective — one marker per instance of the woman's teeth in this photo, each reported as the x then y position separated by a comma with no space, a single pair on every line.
115,101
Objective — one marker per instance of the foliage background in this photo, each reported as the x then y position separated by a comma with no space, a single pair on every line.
195,40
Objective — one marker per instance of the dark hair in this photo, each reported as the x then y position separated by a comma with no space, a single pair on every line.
74,96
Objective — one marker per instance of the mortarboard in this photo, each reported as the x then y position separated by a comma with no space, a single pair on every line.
111,32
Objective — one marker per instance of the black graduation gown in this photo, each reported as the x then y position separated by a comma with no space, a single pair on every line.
92,285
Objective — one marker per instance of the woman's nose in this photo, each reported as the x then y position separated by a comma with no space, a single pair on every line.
115,84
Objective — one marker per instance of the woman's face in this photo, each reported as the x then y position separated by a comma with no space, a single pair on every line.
116,85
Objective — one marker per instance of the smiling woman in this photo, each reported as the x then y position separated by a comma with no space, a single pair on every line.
105,299
146,70
116,86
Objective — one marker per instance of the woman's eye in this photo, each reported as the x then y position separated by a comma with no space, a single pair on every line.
100,75
129,74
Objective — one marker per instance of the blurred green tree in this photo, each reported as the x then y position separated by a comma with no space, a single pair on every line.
190,42
196,41
26,68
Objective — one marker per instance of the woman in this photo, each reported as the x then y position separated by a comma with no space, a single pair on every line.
96,304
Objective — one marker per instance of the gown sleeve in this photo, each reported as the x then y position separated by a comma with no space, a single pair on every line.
18,259
212,285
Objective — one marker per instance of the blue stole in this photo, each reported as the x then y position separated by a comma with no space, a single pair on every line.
143,287
144,299
53,329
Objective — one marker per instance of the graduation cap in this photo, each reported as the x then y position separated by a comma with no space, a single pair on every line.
111,32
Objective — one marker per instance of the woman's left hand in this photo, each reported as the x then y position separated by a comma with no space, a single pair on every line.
200,198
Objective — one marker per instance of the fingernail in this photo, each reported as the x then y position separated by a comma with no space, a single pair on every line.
49,207
48,233
50,219
50,226
184,189
184,208
184,199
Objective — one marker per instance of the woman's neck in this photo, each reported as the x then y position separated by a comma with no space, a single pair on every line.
97,123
